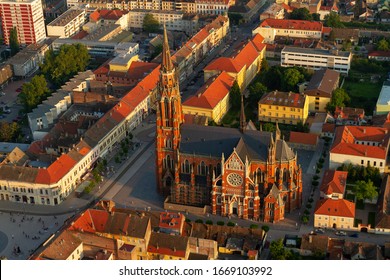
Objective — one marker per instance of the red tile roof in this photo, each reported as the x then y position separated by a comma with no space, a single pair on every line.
211,93
56,171
224,64
303,138
379,54
329,127
292,24
95,16
347,135
335,207
171,220
80,35
334,182
326,30
284,99
248,54
349,113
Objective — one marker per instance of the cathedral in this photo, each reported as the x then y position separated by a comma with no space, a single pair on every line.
241,172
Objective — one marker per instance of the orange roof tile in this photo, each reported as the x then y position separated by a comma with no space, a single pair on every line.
329,127
292,24
379,54
56,170
224,64
303,138
247,55
171,220
211,93
257,41
95,16
334,182
335,207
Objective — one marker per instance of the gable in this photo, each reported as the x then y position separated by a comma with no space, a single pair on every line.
234,162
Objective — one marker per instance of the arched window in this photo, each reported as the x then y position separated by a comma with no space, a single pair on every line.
168,143
218,170
250,206
277,171
166,108
202,168
168,162
186,167
285,175
259,175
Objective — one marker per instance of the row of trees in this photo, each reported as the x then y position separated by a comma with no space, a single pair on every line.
304,14
57,69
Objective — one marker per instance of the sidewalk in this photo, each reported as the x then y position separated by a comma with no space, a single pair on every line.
73,203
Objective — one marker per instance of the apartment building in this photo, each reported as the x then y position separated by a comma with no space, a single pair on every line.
316,59
383,103
334,213
27,17
283,107
67,24
360,145
270,28
213,7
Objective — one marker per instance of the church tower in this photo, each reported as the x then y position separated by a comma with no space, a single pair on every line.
169,118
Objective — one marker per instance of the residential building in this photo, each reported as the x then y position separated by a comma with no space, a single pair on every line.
315,59
334,213
333,184
244,64
383,104
342,35
314,244
248,10
27,17
171,223
275,11
313,6
379,55
173,20
382,219
270,28
349,116
216,7
283,107
326,10
360,145
67,24
212,99
6,74
26,62
168,247
303,140
200,166
328,130
320,88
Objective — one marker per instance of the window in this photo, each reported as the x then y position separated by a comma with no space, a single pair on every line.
362,162
374,163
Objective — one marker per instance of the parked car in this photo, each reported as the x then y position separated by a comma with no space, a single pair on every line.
341,233
19,89
319,230
354,235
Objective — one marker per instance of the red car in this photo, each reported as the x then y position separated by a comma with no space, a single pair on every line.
19,89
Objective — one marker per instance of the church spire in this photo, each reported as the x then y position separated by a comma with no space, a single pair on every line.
242,115
167,64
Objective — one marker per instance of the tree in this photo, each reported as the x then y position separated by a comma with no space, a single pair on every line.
301,14
315,16
302,127
291,78
150,24
235,18
68,61
9,132
13,41
364,190
157,50
340,98
256,91
270,127
383,45
235,95
273,78
264,65
33,92
333,20
278,252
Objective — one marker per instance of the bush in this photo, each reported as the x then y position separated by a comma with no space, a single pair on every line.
199,221
305,219
117,159
265,228
87,189
310,200
316,177
221,223
188,220
253,226
315,183
324,154
231,224
308,205
306,212
321,160
320,165
209,222
318,171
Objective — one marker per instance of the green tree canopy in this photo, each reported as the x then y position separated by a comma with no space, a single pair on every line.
383,45
33,92
157,50
340,98
150,24
235,95
278,252
13,41
9,132
301,14
333,20
291,78
364,190
256,91
270,127
60,67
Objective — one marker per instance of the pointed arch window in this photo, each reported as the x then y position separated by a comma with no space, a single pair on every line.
202,169
166,109
186,167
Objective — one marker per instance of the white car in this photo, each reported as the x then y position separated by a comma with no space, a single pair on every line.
340,233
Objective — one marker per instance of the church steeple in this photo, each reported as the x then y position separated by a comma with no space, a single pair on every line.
167,64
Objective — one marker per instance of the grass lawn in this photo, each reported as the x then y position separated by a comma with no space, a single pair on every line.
371,219
360,204
356,222
363,94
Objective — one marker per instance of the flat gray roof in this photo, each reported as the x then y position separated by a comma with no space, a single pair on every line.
315,51
7,147
384,96
66,17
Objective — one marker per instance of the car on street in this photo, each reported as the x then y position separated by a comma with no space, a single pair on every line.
319,230
340,233
19,89
354,235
